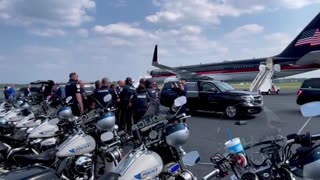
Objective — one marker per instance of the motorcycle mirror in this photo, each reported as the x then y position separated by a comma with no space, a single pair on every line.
68,99
311,109
54,121
180,101
107,98
107,136
116,127
191,158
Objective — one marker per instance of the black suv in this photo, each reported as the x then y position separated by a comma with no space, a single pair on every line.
309,91
215,96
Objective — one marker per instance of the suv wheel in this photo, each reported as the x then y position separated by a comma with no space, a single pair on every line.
231,111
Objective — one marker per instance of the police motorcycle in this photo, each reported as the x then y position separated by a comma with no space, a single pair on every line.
13,110
75,157
28,118
296,156
5,106
93,149
22,117
158,153
15,149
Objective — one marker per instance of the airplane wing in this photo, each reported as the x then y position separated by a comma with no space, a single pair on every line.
181,73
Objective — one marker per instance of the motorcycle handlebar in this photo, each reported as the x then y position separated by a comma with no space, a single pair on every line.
302,138
248,146
315,137
212,174
182,116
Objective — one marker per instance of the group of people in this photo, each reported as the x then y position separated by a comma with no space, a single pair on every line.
131,103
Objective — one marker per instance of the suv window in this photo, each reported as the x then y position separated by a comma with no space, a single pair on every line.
224,86
192,86
311,83
168,85
207,86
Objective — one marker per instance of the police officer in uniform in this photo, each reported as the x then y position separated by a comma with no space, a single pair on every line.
103,91
126,111
72,89
140,102
153,95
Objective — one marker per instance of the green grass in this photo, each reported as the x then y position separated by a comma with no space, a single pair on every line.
293,85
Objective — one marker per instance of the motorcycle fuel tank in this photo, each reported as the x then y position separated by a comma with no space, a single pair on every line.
46,129
7,113
28,122
139,165
13,117
77,144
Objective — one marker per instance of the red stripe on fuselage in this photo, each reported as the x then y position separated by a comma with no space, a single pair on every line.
246,70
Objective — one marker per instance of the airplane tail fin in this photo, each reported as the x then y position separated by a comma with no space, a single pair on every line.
307,41
155,56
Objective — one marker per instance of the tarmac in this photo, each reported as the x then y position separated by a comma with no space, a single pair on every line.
281,116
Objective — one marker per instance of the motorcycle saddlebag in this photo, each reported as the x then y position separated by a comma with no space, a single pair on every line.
31,172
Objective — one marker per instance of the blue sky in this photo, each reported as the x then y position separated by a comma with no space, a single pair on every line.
48,39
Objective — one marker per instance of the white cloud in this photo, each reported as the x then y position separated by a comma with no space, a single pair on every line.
192,29
114,41
121,29
210,11
4,16
245,31
295,4
83,32
48,12
36,49
186,41
48,32
164,16
282,38
201,11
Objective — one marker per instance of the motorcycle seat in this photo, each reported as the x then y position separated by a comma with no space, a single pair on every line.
31,172
44,157
110,176
6,125
6,128
3,148
14,141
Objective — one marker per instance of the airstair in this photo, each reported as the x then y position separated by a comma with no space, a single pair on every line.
263,81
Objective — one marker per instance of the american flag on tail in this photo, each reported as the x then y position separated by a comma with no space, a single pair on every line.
311,37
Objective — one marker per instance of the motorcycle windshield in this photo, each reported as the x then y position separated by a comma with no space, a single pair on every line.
273,129
155,110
